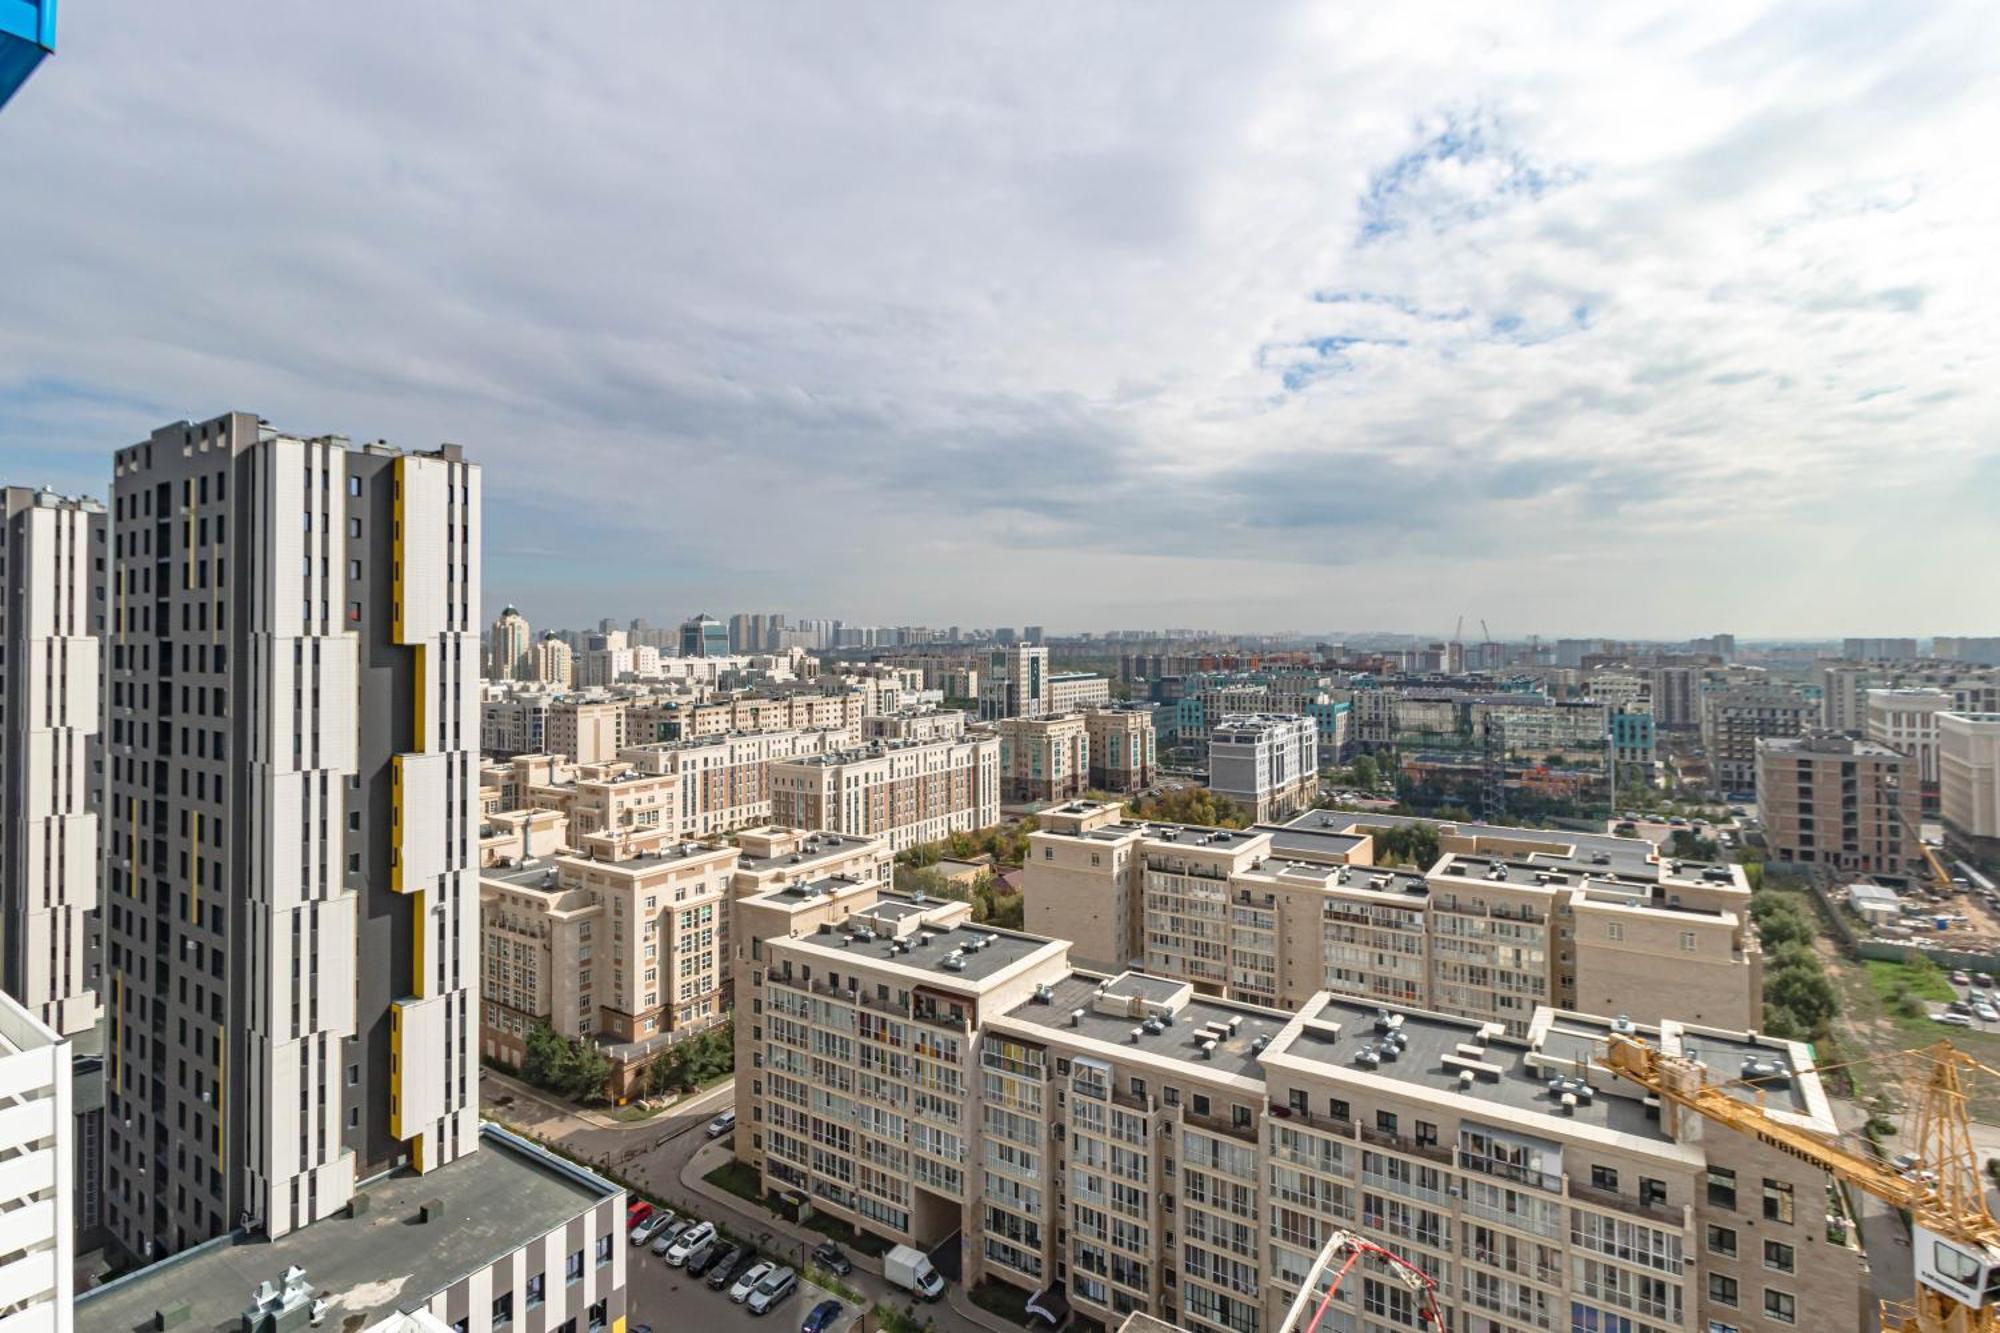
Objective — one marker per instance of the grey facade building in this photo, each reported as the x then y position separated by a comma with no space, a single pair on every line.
51,566
290,869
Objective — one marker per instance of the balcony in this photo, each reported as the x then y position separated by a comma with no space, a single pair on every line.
1660,1213
1435,1152
1508,1171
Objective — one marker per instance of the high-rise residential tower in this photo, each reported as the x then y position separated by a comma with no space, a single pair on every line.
51,566
507,647
290,868
702,635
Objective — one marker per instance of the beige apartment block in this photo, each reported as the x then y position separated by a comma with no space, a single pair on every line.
773,857
1905,720
1156,1150
1969,775
685,719
1043,758
915,724
589,733
725,781
625,941
1836,801
1083,880
908,792
521,835
1074,691
1123,748
554,662
507,647
1506,920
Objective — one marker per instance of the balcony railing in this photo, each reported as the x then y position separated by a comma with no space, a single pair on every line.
1662,1213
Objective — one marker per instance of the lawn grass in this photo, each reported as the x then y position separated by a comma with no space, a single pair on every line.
1926,983
740,1179
1003,1299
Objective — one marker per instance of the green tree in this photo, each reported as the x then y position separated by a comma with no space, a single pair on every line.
1366,775
927,880
687,1065
1193,805
564,1065
1414,844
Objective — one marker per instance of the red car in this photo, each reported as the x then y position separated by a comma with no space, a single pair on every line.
636,1212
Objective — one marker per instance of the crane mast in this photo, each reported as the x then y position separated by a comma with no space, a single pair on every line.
1955,1237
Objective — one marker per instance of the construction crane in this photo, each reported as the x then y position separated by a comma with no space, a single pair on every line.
1954,1235
1350,1249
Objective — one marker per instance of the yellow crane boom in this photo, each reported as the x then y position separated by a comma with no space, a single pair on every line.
1955,1237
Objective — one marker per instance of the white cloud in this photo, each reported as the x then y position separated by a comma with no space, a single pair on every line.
1584,318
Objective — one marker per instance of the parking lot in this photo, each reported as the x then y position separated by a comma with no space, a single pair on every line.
1980,1005
667,1298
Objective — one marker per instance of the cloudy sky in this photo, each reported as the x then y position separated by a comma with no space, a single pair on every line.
1605,318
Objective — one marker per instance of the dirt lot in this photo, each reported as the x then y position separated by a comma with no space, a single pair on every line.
1870,1027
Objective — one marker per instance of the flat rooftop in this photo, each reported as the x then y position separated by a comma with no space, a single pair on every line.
385,1261
1235,1056
1632,855
535,872
816,847
805,890
981,951
1520,1084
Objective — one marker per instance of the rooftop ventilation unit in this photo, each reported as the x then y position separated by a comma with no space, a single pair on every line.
1368,1057
1465,1080
952,963
1623,1025
1134,1034
1045,994
1153,1027
1076,1018
1208,1050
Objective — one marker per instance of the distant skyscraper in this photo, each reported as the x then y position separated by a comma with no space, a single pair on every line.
704,636
1031,634
291,885
51,560
555,662
507,647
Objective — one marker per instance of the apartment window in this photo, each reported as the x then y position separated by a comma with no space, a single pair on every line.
1652,1193
1048,853
1721,1289
1687,941
1777,1201
1386,1122
537,1286
1200,1103
1604,1178
503,1308
1427,1133
1721,1187
1338,1109
1614,930
1780,1257
1781,1306
603,1250
1722,1241
573,1268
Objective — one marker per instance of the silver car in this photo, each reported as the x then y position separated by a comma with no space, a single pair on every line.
746,1284
774,1288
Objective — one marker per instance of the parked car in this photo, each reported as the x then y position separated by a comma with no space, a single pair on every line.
1985,1012
1982,978
728,1265
665,1240
757,1272
775,1287
722,1124
829,1256
637,1211
651,1225
821,1318
1955,1020
1962,977
1958,1007
689,1241
704,1258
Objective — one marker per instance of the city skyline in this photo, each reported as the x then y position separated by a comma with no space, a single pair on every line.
1260,320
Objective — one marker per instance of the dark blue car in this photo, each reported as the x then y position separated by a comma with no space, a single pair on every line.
821,1318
